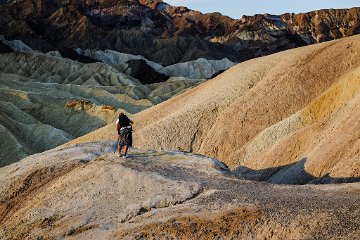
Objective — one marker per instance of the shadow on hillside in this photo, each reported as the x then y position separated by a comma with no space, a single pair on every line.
294,173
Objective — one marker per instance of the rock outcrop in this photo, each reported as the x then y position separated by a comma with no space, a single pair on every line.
286,118
85,192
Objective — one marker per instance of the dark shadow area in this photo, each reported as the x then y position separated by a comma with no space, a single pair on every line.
216,74
294,174
5,48
140,70
73,55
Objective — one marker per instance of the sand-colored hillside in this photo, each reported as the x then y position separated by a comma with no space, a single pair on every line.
286,118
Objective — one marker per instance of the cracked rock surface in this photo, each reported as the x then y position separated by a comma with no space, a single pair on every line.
84,191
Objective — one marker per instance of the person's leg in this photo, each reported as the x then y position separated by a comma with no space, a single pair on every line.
119,149
125,150
127,142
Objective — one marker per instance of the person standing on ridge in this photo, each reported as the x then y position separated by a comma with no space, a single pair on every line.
124,129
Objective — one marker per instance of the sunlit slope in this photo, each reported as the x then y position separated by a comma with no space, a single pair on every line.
261,116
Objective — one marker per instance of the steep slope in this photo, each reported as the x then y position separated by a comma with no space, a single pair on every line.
285,118
86,192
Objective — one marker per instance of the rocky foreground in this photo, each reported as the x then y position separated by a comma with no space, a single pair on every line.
85,192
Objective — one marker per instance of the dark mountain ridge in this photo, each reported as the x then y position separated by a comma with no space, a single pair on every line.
167,34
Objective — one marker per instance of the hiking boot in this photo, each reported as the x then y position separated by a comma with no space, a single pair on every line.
118,154
125,156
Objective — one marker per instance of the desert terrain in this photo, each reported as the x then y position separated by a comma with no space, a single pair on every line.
243,128
281,162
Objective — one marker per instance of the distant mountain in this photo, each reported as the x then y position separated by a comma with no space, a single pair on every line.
166,34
